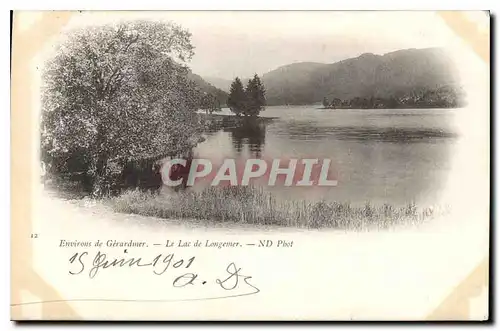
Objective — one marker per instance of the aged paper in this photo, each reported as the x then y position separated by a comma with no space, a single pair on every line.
232,165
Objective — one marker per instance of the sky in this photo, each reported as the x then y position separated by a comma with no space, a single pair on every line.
242,43
229,44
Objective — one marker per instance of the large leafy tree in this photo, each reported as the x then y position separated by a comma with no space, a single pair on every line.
115,94
237,97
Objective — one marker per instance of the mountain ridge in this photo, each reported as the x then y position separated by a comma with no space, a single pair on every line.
394,74
209,88
402,73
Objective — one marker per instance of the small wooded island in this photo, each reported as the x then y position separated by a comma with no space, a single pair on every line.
444,97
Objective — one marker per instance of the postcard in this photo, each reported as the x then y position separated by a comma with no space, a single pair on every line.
250,165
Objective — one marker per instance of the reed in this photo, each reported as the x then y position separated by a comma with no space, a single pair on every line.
252,205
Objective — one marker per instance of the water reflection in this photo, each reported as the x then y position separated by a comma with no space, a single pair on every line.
251,133
243,132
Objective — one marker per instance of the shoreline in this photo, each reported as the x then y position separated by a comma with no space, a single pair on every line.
256,207
390,108
97,211
105,208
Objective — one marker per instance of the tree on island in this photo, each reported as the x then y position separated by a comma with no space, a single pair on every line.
249,101
256,97
113,95
237,97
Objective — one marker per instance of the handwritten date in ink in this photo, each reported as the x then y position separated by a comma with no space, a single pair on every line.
159,264
231,279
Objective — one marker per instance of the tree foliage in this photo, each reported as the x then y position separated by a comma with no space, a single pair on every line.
443,97
326,103
209,103
237,97
118,93
249,101
256,100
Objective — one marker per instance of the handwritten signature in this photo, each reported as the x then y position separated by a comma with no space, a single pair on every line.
160,264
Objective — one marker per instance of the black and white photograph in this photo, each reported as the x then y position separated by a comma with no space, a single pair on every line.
315,165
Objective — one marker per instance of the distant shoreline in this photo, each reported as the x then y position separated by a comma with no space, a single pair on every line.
402,107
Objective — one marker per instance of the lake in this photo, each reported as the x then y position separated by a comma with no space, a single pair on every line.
393,156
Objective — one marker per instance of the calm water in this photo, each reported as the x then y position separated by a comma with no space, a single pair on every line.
381,155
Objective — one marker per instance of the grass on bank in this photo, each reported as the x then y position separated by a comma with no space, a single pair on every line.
250,205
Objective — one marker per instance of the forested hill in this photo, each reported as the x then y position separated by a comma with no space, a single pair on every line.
220,83
402,74
204,86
